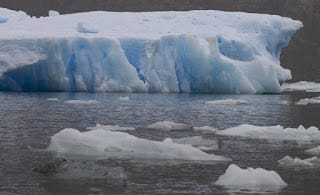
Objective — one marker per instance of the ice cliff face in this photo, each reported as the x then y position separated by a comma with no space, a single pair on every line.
192,52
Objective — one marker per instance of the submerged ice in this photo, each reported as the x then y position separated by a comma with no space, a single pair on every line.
192,52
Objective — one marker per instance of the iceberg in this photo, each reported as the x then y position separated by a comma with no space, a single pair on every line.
199,142
102,144
275,133
301,86
201,51
306,101
297,162
313,151
250,179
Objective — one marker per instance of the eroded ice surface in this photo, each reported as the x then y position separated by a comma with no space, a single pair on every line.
250,179
192,52
277,133
102,144
301,86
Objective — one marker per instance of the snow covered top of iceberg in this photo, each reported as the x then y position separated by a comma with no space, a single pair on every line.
7,15
251,179
232,25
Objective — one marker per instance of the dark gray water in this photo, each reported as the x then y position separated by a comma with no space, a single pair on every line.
29,119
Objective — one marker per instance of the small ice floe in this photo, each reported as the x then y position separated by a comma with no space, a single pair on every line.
313,151
297,162
86,28
52,13
124,98
226,102
101,144
284,102
256,180
196,141
205,129
84,102
53,99
168,126
276,133
306,101
301,86
111,128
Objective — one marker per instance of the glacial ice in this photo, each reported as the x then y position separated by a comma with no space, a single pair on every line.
191,52
313,151
168,126
306,101
297,162
250,179
276,133
226,102
102,144
301,86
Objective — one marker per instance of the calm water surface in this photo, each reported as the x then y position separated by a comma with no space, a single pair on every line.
29,119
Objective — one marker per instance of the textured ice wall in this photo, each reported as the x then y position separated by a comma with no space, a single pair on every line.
192,52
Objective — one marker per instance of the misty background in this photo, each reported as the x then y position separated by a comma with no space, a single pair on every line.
302,56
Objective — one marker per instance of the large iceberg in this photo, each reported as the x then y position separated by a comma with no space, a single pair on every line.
186,52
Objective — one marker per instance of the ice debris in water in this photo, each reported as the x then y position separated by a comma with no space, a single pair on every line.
226,102
199,142
301,86
205,129
52,13
102,144
53,99
314,151
277,133
250,179
84,102
202,51
306,101
111,128
124,98
297,162
168,126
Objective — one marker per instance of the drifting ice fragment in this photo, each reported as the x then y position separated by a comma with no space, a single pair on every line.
306,101
301,86
314,151
196,141
277,133
168,126
297,162
250,179
111,128
226,102
102,144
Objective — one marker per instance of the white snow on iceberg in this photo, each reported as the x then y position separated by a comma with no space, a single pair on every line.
276,133
301,86
250,179
226,102
191,52
306,101
168,126
102,144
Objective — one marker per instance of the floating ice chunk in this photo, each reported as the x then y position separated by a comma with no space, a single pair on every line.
226,102
101,144
52,13
53,99
86,28
297,162
124,98
205,129
301,86
250,179
306,101
277,133
81,102
196,141
168,126
314,151
111,128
